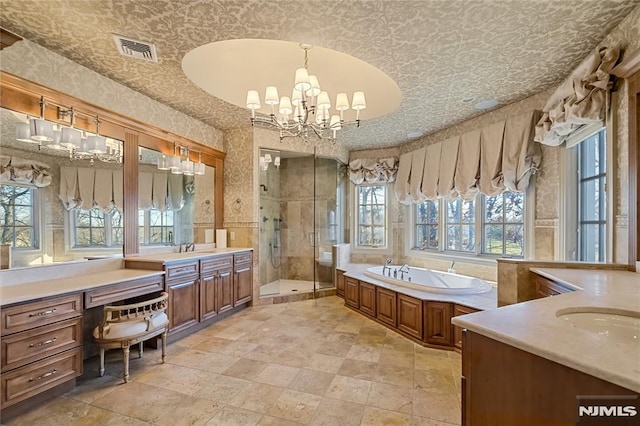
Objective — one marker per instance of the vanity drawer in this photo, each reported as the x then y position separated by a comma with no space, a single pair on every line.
22,348
31,315
209,265
246,257
127,290
35,378
182,270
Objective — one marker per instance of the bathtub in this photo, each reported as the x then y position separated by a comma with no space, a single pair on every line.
432,281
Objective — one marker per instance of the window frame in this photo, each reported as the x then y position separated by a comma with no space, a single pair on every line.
568,241
108,230
356,247
36,225
477,256
146,234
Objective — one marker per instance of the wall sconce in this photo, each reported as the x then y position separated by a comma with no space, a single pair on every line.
177,165
70,139
37,130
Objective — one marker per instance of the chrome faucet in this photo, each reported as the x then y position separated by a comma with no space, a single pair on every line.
402,270
187,247
387,267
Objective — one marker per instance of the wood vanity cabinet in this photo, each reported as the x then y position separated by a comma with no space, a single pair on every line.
340,283
438,329
242,278
352,292
216,286
410,316
367,298
182,283
457,331
41,347
386,304
504,385
546,288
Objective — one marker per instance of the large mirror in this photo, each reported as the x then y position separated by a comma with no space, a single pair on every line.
59,207
55,206
175,202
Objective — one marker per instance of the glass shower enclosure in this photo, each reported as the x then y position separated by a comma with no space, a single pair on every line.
302,215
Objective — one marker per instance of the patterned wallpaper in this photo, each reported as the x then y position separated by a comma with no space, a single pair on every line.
35,63
438,52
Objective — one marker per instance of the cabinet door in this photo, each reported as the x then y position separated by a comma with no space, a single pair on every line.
183,304
243,284
368,299
386,306
410,315
437,323
340,283
224,291
352,292
457,331
208,308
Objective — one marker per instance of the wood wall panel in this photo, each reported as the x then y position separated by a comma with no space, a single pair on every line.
130,170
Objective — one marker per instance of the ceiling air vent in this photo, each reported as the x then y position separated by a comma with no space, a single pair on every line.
135,49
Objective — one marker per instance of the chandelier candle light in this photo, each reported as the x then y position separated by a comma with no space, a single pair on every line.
309,108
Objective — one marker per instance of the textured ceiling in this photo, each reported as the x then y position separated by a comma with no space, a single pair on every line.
437,51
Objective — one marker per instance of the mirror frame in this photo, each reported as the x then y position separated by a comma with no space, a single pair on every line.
21,95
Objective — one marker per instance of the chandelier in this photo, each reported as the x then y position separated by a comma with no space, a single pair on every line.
308,111
79,144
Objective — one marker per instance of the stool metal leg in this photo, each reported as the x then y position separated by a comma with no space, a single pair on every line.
140,350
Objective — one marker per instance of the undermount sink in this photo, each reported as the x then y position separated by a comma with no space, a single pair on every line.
616,325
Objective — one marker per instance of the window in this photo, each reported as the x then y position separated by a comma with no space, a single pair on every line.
499,221
460,225
95,228
426,225
156,227
371,216
18,216
503,224
592,213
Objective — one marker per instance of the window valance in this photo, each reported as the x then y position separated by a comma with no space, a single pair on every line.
372,170
87,187
496,158
581,99
160,191
25,171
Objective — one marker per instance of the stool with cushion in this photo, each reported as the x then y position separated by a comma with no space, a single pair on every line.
126,325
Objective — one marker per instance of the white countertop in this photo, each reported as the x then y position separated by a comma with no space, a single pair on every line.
483,301
177,257
23,292
533,326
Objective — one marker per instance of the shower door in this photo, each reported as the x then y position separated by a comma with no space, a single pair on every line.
301,218
329,218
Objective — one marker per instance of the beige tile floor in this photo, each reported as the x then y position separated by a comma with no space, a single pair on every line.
313,362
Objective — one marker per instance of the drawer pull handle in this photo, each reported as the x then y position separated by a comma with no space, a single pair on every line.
45,375
39,314
46,342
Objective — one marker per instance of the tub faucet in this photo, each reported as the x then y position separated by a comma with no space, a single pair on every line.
402,270
387,267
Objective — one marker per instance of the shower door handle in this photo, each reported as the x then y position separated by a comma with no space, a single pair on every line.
313,239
